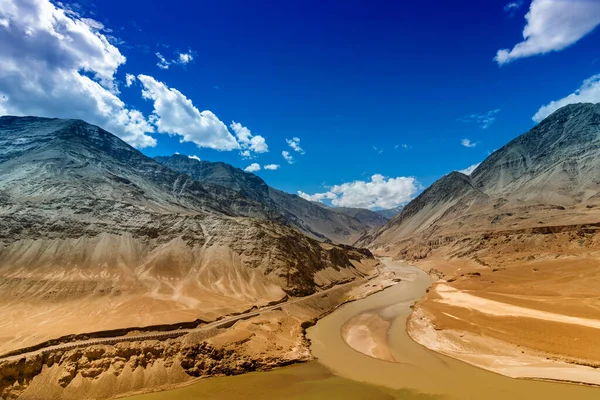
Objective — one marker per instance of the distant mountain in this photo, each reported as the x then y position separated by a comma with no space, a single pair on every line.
106,237
553,166
371,219
390,212
315,220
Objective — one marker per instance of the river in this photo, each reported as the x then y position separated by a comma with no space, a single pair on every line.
344,373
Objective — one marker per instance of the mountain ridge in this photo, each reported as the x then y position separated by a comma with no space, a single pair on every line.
106,238
314,219
554,164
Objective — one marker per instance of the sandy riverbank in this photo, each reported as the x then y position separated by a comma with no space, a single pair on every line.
513,322
354,344
262,341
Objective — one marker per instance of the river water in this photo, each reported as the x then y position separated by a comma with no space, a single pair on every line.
343,373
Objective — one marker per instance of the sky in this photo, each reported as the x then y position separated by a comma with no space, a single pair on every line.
354,103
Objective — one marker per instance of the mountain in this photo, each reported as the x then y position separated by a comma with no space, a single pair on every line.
103,237
312,219
553,167
390,212
371,219
520,233
221,174
556,162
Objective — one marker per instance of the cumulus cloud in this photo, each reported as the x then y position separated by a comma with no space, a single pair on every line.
467,143
318,197
252,167
553,25
175,114
194,158
272,167
129,79
185,58
294,143
54,63
288,157
588,92
379,192
469,170
484,120
249,143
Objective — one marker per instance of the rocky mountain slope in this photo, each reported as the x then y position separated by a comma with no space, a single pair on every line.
102,237
371,219
547,176
390,212
312,219
517,249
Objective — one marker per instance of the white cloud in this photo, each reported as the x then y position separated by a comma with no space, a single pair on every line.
483,120
162,62
175,114
317,196
185,58
272,167
288,157
467,143
513,6
194,158
588,92
380,192
553,25
248,142
129,79
469,170
252,167
294,143
180,58
53,63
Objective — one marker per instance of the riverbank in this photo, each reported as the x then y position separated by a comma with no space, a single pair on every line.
535,321
414,367
259,341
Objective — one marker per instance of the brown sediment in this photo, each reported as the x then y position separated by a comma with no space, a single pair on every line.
367,333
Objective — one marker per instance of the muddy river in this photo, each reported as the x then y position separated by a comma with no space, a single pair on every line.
344,373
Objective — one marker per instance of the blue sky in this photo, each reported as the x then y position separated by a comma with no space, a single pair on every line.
368,87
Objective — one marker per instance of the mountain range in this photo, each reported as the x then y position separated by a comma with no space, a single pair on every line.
340,225
547,176
104,237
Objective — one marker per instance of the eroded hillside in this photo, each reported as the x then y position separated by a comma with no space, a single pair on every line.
96,236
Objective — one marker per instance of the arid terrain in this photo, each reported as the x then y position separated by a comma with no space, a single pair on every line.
103,246
256,341
516,247
122,274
